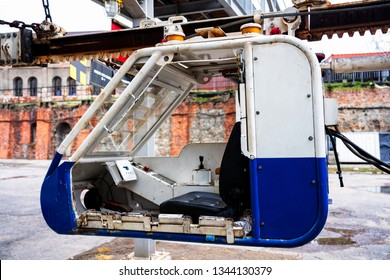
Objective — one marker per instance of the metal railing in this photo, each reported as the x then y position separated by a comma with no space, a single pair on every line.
375,76
46,94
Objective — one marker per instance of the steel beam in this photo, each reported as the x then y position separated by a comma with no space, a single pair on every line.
337,19
345,18
186,8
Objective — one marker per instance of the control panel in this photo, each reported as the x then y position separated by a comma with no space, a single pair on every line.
121,171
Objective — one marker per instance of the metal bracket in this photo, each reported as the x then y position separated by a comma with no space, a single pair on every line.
218,225
292,22
147,23
174,29
168,223
16,47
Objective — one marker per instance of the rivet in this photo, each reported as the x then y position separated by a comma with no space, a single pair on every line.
260,167
311,138
308,96
313,181
257,113
255,58
262,224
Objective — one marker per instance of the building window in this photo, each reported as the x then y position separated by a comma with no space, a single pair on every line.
95,90
33,85
57,86
71,86
18,86
62,130
33,133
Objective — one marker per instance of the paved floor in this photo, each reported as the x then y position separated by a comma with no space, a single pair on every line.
24,234
358,226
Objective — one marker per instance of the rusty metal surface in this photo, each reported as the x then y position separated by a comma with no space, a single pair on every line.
345,18
328,20
112,43
218,226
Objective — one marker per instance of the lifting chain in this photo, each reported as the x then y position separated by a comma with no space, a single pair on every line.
46,29
240,66
35,26
45,4
19,24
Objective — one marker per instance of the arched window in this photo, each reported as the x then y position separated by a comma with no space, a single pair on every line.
62,130
95,90
18,86
57,86
33,133
71,86
33,85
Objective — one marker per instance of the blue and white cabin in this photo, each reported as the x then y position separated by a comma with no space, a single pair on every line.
272,188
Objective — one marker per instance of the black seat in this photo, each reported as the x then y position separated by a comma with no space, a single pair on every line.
233,188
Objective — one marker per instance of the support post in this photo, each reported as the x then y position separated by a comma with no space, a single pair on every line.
144,248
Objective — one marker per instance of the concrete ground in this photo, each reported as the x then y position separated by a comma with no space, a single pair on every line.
24,234
358,225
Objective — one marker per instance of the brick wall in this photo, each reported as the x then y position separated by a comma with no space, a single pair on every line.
194,120
197,122
363,110
31,132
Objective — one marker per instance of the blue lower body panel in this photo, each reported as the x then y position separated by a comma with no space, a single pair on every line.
56,197
290,199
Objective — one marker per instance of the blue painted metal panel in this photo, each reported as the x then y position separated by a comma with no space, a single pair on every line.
56,197
254,187
291,196
384,146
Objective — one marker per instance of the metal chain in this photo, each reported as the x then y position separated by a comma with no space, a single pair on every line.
35,26
45,4
19,24
45,29
240,66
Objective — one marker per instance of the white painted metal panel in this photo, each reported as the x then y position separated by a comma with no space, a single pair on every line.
331,111
150,187
283,102
179,168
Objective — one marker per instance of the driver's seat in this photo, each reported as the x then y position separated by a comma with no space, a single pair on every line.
233,187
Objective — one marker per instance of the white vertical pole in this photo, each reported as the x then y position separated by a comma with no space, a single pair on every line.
144,248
